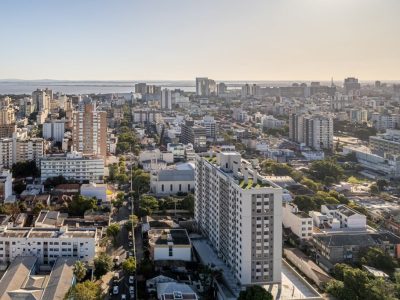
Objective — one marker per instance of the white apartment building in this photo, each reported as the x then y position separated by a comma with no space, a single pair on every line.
388,142
170,244
54,130
299,222
270,122
347,217
315,131
240,213
211,126
385,121
48,244
5,185
14,150
73,166
358,116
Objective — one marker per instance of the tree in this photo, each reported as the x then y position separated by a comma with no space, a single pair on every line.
87,290
255,292
25,169
141,182
102,264
188,203
311,184
113,231
38,207
79,270
377,258
80,204
381,184
132,222
326,170
129,265
373,189
305,203
335,288
147,205
279,169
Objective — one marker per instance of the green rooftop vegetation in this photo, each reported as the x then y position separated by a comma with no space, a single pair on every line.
252,184
212,159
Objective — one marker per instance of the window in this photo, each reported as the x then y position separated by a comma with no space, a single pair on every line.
162,188
171,187
170,251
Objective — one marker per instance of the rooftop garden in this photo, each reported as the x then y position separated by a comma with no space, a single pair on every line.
252,184
212,159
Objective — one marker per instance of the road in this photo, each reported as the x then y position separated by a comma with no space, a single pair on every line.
123,241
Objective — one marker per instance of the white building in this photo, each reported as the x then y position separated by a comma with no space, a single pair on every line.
170,244
173,181
299,222
54,130
156,154
315,131
270,122
211,126
240,213
48,244
5,185
14,150
347,217
94,190
72,166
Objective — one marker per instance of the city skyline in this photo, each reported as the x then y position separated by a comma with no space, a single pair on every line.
127,40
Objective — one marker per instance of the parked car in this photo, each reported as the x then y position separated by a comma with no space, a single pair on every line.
115,290
131,290
123,297
131,279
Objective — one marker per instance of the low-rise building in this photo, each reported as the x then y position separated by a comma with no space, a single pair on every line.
48,244
5,185
173,181
72,166
299,222
170,244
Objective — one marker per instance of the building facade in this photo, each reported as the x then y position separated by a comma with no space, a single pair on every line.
240,213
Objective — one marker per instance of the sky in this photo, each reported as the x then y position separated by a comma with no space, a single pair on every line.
182,39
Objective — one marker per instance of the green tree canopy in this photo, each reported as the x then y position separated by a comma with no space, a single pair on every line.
25,169
377,258
87,290
113,231
255,292
102,264
80,204
79,270
129,265
148,204
326,170
132,222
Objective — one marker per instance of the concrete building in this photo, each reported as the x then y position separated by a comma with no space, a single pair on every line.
48,244
14,150
347,217
54,130
5,185
351,85
240,213
175,291
170,244
385,121
203,86
145,115
173,181
333,248
211,126
89,130
299,222
270,122
166,99
388,142
72,166
193,134
358,116
315,131
93,190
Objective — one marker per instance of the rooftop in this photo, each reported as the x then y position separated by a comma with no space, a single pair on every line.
168,236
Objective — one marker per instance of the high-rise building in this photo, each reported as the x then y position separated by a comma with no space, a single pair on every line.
166,99
42,99
14,150
54,130
202,87
351,85
211,126
89,129
315,131
140,88
221,89
240,213
7,112
194,134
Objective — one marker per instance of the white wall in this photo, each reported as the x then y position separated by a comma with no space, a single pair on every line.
178,253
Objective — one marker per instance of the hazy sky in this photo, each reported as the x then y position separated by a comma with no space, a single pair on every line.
182,39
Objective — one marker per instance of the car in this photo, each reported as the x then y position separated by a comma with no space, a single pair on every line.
131,290
123,297
115,290
131,279
130,244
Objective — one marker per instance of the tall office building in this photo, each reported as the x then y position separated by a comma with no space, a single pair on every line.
351,85
315,131
221,89
211,126
194,134
202,87
166,99
42,99
89,130
140,88
240,213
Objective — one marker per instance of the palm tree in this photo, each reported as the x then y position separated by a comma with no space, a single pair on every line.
79,270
